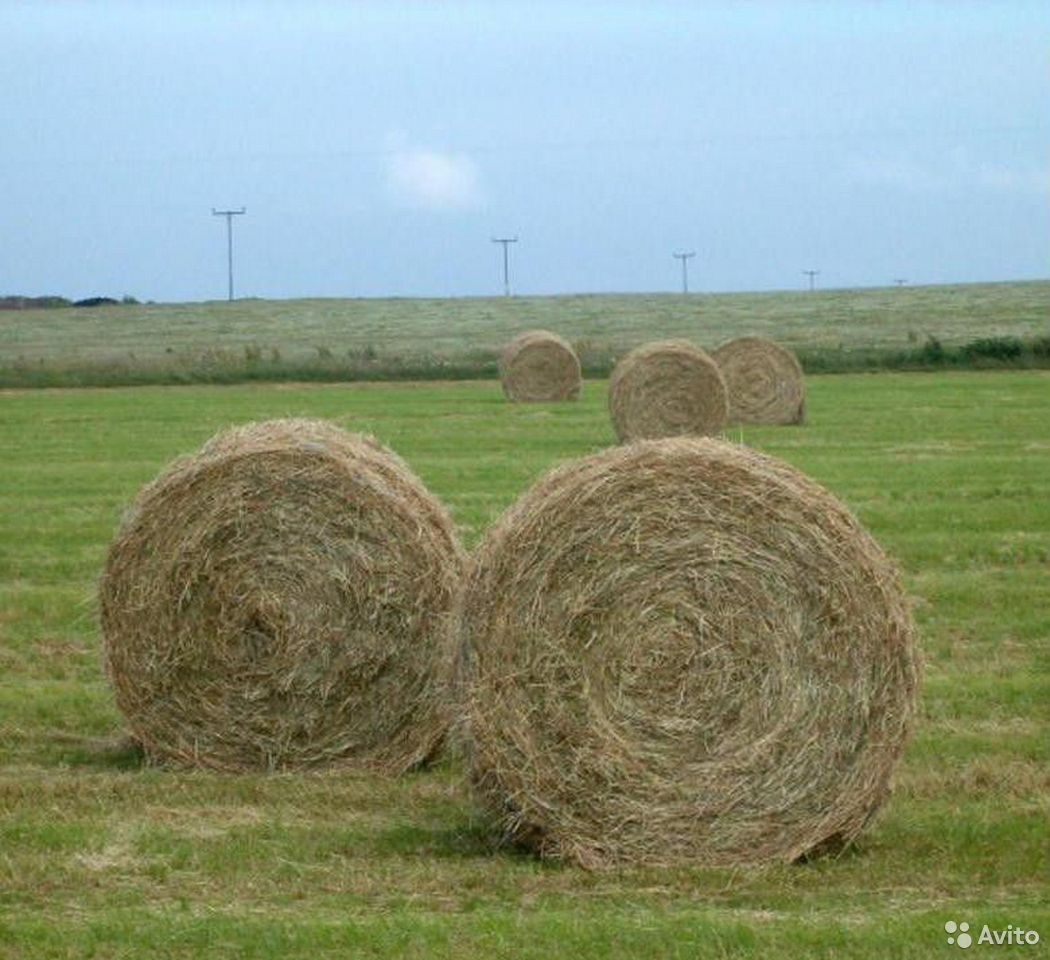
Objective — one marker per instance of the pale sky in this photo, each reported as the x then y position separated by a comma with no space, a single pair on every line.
379,146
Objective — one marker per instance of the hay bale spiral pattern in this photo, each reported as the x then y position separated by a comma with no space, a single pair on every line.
538,367
682,651
283,600
665,389
764,380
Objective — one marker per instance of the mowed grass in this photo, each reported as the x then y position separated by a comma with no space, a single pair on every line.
100,857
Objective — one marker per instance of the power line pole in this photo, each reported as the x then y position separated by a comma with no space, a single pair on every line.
229,215
684,257
811,274
506,241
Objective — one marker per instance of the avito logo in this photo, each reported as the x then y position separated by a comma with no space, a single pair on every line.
962,929
959,935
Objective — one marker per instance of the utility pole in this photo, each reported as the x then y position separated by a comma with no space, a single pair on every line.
506,241
811,274
229,215
684,257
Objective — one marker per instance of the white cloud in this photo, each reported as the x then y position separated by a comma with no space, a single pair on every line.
434,180
954,171
1013,179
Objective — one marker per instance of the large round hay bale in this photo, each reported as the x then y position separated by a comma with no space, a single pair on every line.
764,381
682,651
666,389
539,366
283,600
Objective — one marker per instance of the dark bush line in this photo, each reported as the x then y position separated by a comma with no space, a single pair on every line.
989,353
33,303
128,375
59,303
214,367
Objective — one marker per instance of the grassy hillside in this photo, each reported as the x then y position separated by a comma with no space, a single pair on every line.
102,857
384,339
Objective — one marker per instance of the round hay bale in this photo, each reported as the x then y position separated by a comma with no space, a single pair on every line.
680,651
764,381
666,389
539,367
283,600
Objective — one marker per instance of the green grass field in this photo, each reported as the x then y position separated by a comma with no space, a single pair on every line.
834,330
101,857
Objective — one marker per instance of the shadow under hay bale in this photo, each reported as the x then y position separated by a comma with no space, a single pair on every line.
666,389
539,366
764,380
683,652
283,600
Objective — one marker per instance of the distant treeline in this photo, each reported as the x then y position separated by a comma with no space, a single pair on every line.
55,303
33,303
986,353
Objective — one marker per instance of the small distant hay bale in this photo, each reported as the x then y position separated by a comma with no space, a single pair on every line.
283,600
667,389
539,367
764,381
680,651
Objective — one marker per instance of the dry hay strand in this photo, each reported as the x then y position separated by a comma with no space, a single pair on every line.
666,389
764,381
538,367
283,600
680,651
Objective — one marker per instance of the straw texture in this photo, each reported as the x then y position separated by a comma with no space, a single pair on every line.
539,367
682,651
665,389
764,380
283,600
